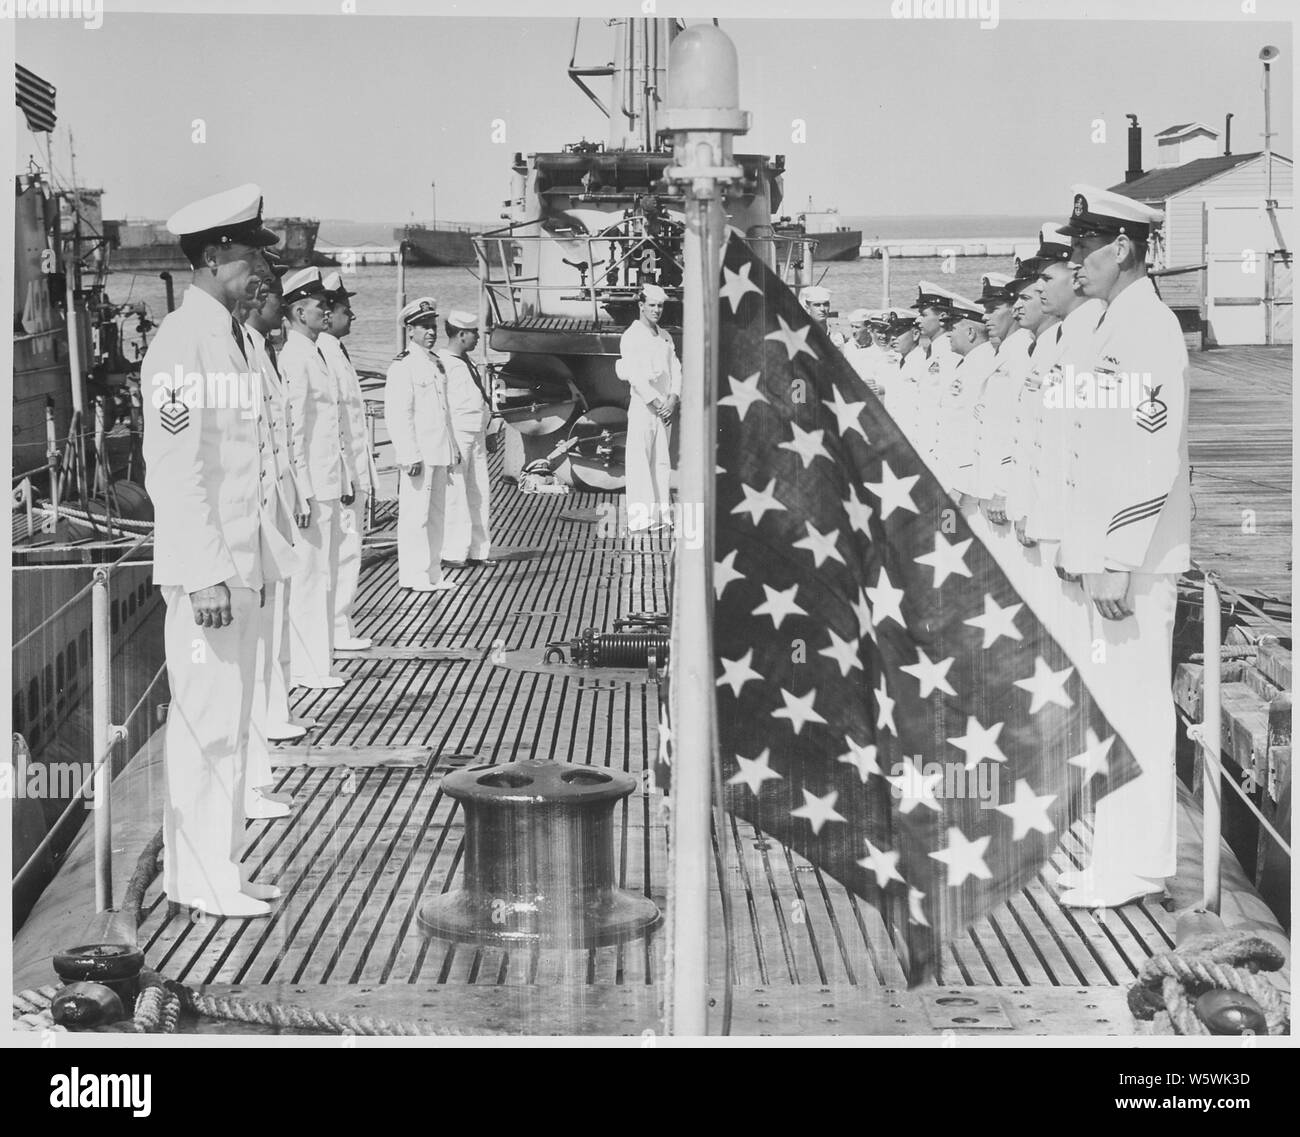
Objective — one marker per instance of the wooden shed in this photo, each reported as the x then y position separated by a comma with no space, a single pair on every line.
1227,256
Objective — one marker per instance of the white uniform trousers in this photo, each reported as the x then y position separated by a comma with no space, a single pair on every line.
352,526
469,502
211,674
277,602
1127,667
311,599
647,467
421,510
270,693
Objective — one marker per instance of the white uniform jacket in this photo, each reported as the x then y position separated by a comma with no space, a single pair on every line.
963,379
470,413
354,404
416,410
321,440
648,363
275,403
209,470
994,415
1128,500
1025,419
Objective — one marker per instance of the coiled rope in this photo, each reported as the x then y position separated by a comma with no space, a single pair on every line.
1168,985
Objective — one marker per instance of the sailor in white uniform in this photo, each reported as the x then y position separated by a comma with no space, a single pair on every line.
1127,535
817,302
904,380
424,446
217,541
648,363
323,450
862,351
352,518
963,370
271,721
468,538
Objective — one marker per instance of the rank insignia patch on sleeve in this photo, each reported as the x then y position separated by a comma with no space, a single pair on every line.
1151,414
175,417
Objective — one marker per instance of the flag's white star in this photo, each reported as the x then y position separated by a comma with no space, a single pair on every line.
798,710
753,772
885,711
724,572
894,493
964,857
737,284
744,393
794,341
806,443
758,502
859,512
996,622
913,788
948,558
818,810
979,743
862,610
930,675
737,672
886,601
915,914
882,862
848,416
844,652
821,545
779,605
1028,811
1094,759
862,759
1046,686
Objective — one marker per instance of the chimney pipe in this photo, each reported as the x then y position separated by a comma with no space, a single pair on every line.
1134,170
1227,135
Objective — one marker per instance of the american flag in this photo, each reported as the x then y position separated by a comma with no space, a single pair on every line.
862,635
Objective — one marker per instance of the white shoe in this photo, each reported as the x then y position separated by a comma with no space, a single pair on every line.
353,643
305,723
1113,893
264,809
260,891
284,732
321,683
240,906
1072,878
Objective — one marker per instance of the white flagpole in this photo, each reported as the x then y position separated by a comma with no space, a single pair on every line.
701,111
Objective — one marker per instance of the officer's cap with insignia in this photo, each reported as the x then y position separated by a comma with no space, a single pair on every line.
231,217
900,319
932,296
461,321
964,309
423,310
815,294
879,318
1053,243
335,287
995,289
302,284
1100,212
1027,271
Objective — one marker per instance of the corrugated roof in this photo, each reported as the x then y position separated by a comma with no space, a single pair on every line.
1159,185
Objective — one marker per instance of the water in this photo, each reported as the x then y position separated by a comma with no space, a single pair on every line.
373,342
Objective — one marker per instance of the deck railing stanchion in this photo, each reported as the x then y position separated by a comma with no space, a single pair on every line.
1210,741
702,112
101,660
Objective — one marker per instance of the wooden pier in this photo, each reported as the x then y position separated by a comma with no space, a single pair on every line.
453,679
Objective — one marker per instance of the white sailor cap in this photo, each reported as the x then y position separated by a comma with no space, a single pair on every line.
1101,211
422,310
653,294
303,283
334,286
462,321
233,216
815,294
860,315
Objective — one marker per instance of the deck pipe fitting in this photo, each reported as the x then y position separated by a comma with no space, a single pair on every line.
648,649
539,859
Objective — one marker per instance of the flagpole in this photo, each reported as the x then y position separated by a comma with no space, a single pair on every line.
702,112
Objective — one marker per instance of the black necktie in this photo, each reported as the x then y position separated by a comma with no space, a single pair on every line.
270,354
344,349
322,357
239,337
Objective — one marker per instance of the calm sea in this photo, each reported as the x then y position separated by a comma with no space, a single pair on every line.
373,341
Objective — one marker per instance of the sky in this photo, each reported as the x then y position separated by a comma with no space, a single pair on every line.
340,115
